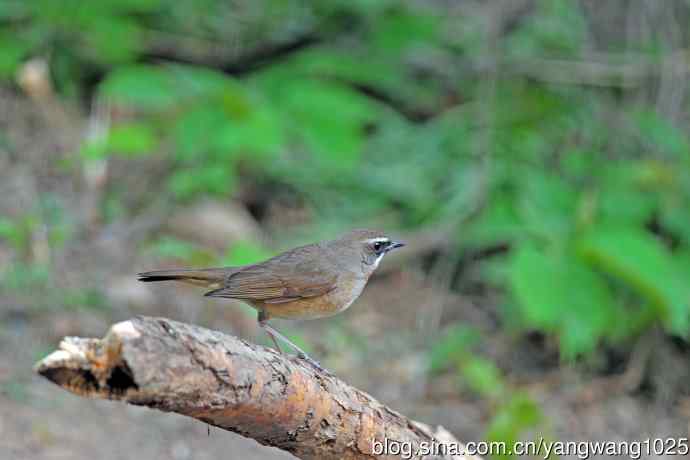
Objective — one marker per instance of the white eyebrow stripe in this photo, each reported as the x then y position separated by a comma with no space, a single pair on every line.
380,239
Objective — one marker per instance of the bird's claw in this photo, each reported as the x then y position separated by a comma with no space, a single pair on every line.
313,363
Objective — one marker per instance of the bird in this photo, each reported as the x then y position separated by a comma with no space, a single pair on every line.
317,280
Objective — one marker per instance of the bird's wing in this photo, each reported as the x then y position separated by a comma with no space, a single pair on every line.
287,277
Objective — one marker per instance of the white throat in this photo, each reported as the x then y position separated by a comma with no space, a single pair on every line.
378,259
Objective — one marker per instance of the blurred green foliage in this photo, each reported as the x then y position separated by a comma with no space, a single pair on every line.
387,111
171,248
33,236
514,415
245,253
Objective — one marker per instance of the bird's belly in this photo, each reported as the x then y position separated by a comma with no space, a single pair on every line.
329,304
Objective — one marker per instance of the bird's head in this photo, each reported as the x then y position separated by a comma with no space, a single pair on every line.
368,247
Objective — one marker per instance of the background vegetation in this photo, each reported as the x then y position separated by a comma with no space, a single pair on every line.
535,153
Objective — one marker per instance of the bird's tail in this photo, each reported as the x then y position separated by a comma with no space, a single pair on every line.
207,277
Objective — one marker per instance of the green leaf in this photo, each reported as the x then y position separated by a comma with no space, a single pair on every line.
646,265
94,149
200,131
320,62
134,6
84,299
531,279
18,231
498,223
140,86
559,294
25,277
398,30
330,119
660,135
621,205
213,179
13,232
674,216
173,248
452,347
514,417
547,205
483,377
113,39
211,88
12,51
682,261
199,81
132,139
244,253
630,191
372,68
260,132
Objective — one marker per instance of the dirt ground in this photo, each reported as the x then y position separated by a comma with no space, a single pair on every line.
380,345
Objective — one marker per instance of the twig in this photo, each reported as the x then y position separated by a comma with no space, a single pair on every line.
240,387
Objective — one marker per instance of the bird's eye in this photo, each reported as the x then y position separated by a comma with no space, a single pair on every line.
378,246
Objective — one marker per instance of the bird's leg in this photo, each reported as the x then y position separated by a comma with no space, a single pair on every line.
272,333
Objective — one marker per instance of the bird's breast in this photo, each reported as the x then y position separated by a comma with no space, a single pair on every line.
348,291
329,304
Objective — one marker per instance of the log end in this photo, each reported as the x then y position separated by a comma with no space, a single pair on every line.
91,367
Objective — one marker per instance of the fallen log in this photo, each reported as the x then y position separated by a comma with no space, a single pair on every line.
248,389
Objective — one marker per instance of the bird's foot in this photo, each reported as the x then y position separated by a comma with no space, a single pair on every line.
314,363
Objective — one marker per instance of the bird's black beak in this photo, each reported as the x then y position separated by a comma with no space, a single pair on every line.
394,245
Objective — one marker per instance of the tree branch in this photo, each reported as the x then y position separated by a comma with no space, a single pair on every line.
237,386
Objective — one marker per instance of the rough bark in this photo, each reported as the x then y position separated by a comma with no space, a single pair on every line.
237,386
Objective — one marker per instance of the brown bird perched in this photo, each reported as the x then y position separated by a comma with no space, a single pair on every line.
313,281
